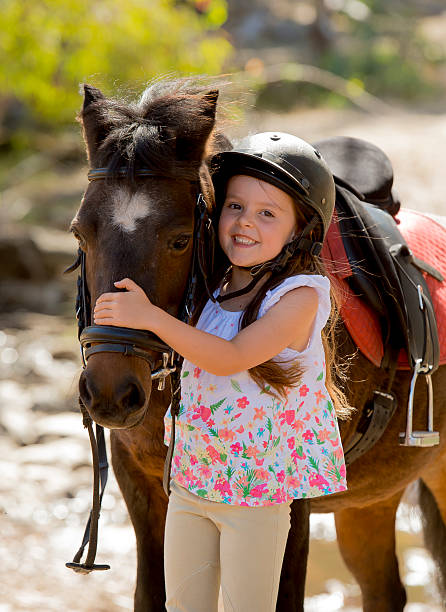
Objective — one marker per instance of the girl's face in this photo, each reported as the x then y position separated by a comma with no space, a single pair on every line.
256,221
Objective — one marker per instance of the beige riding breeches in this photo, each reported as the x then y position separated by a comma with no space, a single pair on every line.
209,544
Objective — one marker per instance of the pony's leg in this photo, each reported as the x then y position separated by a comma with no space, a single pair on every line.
147,504
292,578
366,538
432,501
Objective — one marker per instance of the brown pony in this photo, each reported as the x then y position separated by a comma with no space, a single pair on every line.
142,228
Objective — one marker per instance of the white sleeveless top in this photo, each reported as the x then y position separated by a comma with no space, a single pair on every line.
236,444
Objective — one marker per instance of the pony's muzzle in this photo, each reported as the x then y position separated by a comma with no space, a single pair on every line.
116,407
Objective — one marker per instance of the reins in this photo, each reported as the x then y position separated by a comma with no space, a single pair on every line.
100,338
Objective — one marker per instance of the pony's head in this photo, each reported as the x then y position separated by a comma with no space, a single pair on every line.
136,226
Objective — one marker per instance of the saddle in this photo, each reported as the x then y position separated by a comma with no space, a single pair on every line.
366,253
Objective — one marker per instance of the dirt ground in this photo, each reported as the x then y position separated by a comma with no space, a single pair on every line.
45,474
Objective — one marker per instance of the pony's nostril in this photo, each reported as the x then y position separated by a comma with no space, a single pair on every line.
84,391
112,404
133,397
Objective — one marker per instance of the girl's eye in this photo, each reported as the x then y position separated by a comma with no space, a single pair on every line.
233,205
267,213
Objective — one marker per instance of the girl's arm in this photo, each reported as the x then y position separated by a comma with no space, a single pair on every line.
290,321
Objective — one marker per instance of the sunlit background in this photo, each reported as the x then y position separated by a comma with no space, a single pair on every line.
374,69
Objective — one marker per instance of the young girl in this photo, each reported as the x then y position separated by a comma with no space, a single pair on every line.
257,424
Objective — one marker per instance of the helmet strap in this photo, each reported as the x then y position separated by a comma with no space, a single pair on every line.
257,271
247,289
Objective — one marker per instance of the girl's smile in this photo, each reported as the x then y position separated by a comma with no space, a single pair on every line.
243,241
256,221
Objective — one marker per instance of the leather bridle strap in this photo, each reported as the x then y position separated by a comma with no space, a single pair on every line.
96,174
100,472
131,343
203,224
174,411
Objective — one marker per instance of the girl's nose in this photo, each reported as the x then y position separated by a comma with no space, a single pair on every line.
246,218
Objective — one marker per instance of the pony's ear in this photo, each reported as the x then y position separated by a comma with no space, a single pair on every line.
192,139
91,94
210,98
92,120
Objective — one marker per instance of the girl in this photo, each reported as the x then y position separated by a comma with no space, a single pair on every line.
257,424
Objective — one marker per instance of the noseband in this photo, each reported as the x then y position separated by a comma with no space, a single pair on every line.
129,342
136,343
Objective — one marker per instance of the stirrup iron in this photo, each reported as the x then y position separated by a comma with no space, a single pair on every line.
420,438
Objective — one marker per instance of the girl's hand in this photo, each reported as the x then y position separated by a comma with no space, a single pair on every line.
131,308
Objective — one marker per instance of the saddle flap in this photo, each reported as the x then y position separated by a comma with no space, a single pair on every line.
373,277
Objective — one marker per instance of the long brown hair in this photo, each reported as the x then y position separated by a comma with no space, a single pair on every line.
280,375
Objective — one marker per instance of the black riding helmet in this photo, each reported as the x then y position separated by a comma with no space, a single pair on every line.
286,162
296,167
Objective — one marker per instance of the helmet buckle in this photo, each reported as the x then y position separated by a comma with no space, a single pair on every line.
255,270
316,248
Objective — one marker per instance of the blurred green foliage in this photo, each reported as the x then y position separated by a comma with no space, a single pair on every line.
387,52
381,47
48,47
390,51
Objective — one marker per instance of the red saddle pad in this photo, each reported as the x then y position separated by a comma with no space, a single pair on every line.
427,239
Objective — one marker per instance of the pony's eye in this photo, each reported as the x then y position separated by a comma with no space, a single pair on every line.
181,242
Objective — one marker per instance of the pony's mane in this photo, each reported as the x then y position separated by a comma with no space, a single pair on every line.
165,131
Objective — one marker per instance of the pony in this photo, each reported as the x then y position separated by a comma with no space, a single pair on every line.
140,227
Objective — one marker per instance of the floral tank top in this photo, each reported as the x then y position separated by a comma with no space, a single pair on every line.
238,445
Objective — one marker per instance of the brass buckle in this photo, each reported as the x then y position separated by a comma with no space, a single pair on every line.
165,370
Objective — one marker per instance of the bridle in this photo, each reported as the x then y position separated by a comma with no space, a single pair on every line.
138,343
111,339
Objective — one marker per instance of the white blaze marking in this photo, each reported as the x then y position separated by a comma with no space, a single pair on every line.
127,209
